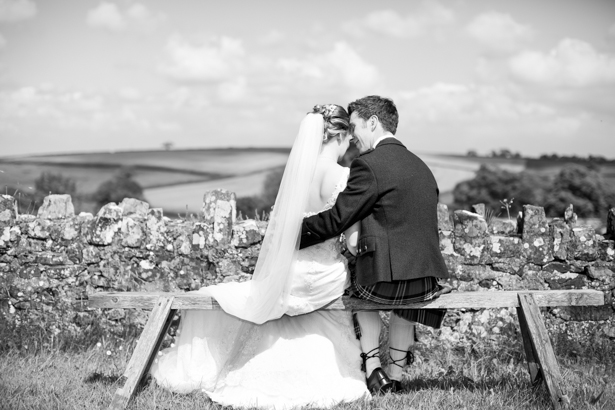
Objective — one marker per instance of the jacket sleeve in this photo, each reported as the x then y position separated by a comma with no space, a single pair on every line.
352,205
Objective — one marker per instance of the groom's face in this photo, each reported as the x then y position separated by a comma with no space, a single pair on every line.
361,134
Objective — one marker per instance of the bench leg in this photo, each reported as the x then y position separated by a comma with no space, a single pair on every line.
145,351
542,352
532,363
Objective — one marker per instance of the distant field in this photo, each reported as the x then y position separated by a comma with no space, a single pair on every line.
229,161
189,197
179,178
88,178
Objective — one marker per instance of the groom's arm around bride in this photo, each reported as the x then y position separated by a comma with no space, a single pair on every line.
394,196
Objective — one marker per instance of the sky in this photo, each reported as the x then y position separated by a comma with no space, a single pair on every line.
535,77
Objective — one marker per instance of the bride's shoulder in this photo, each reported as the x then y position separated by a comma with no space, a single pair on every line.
333,176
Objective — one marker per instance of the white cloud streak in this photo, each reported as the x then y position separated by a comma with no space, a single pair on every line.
108,16
17,10
428,16
498,32
572,63
216,59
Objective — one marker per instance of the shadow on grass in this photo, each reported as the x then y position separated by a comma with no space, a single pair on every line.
105,379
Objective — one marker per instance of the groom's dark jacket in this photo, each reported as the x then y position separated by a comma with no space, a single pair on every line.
395,196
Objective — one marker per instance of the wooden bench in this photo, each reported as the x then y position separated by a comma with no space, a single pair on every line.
540,357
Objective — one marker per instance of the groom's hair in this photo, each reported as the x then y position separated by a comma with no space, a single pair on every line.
383,108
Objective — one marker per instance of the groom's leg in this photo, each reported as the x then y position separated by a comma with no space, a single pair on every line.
401,338
370,339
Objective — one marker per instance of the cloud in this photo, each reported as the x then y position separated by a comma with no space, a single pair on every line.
143,18
429,15
572,63
460,102
17,10
340,66
2,41
213,60
464,116
108,16
498,31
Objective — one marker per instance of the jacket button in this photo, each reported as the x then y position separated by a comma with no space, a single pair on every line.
309,233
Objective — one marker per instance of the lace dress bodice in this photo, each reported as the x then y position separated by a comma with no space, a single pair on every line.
332,247
320,273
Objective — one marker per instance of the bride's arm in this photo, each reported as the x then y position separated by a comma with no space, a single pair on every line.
352,237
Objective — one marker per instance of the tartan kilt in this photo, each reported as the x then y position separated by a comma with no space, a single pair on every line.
400,293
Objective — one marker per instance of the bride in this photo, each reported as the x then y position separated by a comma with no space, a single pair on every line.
270,346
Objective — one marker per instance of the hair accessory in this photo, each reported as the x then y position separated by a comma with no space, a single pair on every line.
326,111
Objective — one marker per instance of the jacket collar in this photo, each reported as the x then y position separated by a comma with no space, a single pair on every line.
386,141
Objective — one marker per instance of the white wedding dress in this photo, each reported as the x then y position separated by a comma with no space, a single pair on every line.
305,358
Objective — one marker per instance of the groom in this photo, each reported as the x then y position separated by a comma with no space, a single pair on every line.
394,196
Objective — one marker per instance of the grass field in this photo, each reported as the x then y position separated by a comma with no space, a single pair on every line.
189,197
473,379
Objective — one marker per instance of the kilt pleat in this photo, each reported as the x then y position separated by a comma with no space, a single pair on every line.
401,293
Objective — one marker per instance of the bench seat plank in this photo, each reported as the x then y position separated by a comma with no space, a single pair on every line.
455,300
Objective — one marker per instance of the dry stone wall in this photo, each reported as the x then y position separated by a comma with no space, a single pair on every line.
50,261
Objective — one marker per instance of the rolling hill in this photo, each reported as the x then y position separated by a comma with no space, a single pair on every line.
177,179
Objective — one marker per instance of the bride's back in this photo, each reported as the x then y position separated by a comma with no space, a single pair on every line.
326,177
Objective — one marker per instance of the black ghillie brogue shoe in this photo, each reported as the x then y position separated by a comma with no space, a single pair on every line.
378,382
397,387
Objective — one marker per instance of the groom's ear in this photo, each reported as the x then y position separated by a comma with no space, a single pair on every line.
373,122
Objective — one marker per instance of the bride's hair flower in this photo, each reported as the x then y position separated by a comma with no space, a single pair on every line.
336,120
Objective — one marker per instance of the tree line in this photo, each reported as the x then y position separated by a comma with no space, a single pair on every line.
578,184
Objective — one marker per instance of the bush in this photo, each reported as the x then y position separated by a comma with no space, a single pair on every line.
48,183
116,189
581,186
255,206
492,184
576,184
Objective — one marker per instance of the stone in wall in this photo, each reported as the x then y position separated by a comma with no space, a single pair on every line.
133,232
502,227
538,249
584,244
505,247
607,250
537,242
56,207
446,242
107,222
245,234
444,220
471,237
134,208
567,280
561,238
534,221
610,224
219,211
569,216
156,226
479,209
8,210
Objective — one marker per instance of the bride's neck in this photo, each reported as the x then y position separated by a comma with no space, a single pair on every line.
328,153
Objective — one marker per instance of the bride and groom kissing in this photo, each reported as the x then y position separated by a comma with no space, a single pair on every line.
271,345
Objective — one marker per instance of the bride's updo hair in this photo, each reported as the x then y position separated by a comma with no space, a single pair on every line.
337,120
